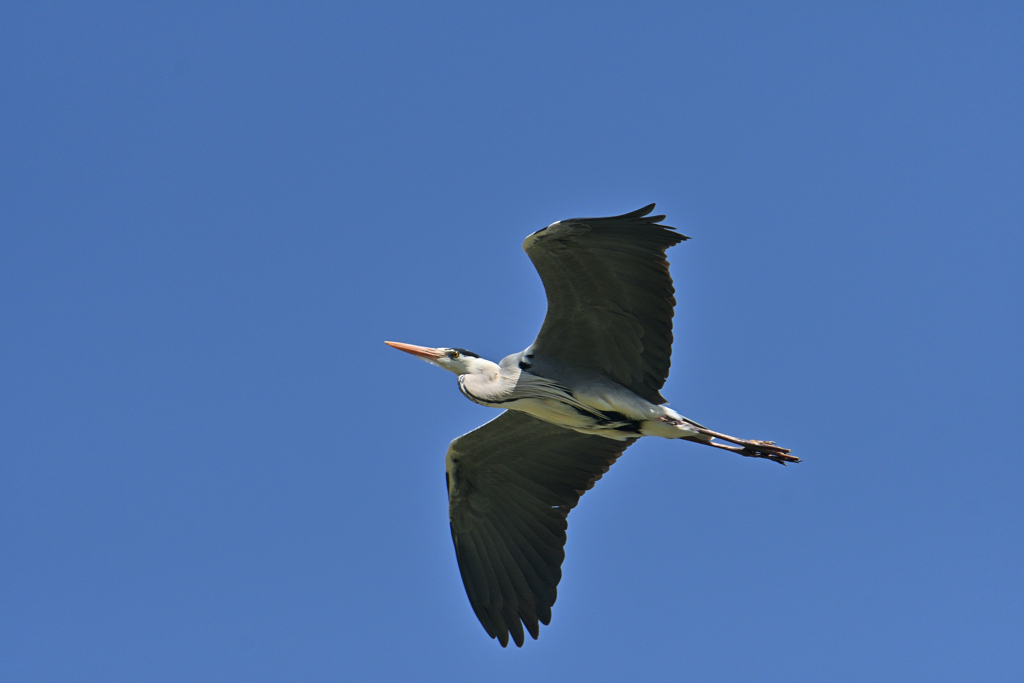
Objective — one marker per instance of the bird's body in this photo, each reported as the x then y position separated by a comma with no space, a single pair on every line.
594,404
584,391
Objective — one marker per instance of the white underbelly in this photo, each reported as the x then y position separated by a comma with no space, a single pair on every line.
552,411
666,423
623,403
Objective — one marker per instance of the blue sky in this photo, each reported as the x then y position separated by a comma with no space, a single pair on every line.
211,467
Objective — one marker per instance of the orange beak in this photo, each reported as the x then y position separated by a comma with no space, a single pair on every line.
424,352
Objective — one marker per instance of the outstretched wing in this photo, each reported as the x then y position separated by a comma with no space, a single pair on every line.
610,297
511,485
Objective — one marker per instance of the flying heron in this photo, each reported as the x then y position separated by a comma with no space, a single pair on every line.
581,394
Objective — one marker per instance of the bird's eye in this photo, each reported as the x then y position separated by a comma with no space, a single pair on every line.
453,354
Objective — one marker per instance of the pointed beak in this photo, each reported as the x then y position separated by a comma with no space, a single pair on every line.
424,352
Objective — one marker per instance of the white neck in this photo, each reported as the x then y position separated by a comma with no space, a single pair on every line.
481,366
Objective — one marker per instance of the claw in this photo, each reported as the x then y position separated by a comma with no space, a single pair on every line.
773,453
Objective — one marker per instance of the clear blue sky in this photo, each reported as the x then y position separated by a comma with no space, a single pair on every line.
211,216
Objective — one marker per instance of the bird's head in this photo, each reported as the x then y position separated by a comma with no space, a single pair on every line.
459,361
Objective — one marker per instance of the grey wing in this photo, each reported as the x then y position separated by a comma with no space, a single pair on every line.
610,297
511,485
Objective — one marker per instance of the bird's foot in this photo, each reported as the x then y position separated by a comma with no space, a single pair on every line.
768,450
751,448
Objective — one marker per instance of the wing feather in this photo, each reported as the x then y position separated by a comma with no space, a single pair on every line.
610,298
511,485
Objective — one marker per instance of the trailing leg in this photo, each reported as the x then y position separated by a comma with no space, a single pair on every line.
746,448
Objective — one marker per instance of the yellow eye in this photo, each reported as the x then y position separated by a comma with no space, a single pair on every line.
453,354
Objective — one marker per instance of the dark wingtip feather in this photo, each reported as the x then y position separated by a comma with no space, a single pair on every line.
641,216
632,215
516,627
639,213
533,627
643,212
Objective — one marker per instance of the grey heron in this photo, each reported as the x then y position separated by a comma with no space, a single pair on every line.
581,394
